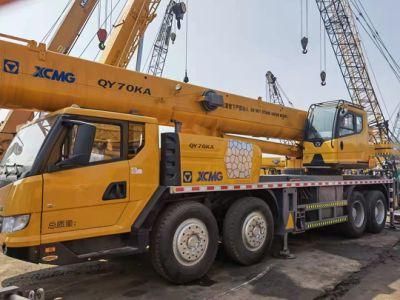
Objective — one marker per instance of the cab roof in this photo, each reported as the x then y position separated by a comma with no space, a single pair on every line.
340,102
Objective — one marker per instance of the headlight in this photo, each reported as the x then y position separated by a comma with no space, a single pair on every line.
16,223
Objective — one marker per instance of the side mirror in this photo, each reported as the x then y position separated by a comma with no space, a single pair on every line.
83,145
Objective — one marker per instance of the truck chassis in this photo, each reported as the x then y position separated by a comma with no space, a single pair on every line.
294,204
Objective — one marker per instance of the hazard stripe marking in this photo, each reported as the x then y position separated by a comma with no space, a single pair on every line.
275,185
314,206
326,222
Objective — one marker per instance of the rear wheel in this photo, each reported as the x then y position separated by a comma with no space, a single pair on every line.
184,242
248,230
377,211
357,216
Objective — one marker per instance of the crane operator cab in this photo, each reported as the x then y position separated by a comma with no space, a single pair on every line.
336,137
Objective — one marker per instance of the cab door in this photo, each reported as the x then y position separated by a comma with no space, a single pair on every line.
352,141
93,195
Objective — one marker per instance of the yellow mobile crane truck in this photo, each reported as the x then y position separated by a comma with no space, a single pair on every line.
90,180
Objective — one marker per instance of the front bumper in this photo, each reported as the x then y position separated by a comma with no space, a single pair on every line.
37,254
29,254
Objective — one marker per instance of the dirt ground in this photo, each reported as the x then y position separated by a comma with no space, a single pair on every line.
327,266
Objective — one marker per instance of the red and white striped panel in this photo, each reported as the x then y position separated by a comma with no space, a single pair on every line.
272,185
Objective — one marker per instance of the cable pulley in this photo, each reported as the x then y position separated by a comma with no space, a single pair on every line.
179,10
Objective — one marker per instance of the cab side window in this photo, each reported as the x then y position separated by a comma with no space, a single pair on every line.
346,124
136,139
359,124
350,124
106,145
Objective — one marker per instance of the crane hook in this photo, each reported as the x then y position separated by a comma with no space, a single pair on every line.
323,78
102,36
186,79
173,37
304,44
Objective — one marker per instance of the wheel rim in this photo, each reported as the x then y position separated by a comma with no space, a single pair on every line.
254,231
379,212
358,214
190,242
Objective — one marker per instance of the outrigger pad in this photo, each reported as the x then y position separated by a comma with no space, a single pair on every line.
280,247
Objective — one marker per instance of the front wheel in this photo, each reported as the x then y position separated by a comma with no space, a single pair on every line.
184,242
248,230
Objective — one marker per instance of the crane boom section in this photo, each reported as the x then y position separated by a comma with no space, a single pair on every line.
48,81
125,37
161,45
72,25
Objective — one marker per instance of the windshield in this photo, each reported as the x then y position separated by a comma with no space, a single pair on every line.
24,148
321,123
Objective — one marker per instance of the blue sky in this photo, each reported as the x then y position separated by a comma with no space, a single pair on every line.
232,43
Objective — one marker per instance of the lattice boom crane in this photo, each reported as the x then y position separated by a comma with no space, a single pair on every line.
340,26
165,34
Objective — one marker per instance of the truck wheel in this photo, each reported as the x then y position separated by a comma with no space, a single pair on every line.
377,211
248,230
357,216
184,242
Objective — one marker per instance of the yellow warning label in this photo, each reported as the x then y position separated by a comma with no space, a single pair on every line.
290,221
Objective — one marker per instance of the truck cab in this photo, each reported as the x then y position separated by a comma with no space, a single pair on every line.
75,173
79,183
336,137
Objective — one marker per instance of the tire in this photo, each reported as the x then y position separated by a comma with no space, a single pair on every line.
243,248
357,216
377,211
177,257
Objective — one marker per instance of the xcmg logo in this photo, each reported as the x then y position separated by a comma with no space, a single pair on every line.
210,176
53,74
